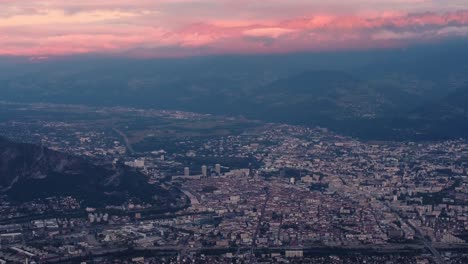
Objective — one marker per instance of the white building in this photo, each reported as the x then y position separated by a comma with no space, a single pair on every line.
204,170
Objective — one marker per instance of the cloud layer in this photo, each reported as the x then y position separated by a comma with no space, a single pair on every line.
193,27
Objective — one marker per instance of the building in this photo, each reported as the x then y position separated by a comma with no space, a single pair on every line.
294,253
204,171
138,163
307,179
186,171
218,169
238,173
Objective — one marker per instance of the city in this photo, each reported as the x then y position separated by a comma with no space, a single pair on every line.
234,131
253,191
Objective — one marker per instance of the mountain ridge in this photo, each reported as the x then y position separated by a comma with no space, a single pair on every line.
29,172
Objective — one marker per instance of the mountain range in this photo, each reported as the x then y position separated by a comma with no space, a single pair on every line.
380,94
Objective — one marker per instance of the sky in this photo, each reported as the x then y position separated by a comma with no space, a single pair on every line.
174,28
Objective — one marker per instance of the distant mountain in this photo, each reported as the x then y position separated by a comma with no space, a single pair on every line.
384,82
453,106
30,172
441,119
314,96
342,90
444,119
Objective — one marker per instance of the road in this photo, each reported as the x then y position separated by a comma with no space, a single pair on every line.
193,199
428,244
437,257
126,141
257,229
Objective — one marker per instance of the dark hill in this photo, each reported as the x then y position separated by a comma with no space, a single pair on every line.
442,119
453,106
30,172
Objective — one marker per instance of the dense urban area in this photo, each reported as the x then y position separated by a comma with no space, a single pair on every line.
254,192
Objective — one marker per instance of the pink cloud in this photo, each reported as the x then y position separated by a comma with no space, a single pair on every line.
271,32
154,28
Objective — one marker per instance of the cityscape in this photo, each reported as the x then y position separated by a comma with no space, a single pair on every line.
259,192
234,132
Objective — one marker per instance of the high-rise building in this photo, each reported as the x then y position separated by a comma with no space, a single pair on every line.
218,169
204,171
186,171
292,180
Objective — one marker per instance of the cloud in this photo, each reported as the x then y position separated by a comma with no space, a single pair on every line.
192,27
387,35
50,17
270,32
